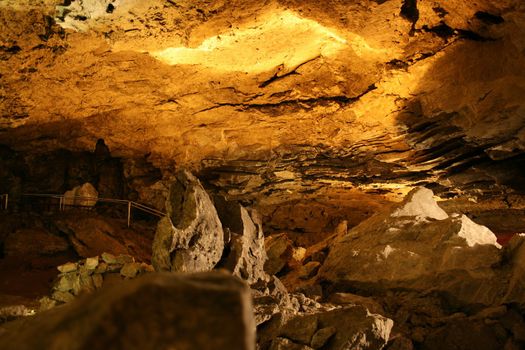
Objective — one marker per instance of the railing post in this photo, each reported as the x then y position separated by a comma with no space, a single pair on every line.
129,213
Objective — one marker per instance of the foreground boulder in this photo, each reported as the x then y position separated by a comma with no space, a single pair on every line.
417,246
244,251
157,311
190,238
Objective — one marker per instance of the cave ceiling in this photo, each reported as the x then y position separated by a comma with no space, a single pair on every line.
276,100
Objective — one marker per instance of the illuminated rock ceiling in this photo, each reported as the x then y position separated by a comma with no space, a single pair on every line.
280,99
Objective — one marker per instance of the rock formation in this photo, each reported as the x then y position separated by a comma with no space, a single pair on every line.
244,253
379,143
282,102
418,246
190,237
201,311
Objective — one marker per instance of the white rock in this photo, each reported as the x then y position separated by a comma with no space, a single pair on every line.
476,234
386,252
420,203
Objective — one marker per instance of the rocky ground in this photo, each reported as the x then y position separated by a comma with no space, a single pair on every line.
410,277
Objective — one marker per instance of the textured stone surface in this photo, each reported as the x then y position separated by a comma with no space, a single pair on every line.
190,238
280,251
91,236
417,252
246,254
345,328
203,311
374,95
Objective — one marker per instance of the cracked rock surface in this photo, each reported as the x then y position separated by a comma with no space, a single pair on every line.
277,101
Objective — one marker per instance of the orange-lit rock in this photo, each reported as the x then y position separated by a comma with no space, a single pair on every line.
275,101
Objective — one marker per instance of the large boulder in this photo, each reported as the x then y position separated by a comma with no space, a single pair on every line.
417,246
157,311
84,195
190,238
244,251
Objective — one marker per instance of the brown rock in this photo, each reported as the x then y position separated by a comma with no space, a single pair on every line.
130,270
98,280
355,328
300,329
34,242
91,236
287,344
409,247
203,311
62,296
320,337
309,269
67,267
280,251
354,299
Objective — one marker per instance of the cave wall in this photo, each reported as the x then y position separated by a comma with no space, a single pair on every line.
278,102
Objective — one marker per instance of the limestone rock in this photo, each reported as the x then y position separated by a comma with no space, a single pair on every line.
91,263
246,255
203,311
309,269
320,337
67,267
344,328
354,299
85,196
109,258
280,251
124,259
300,329
420,204
356,328
418,252
190,238
64,297
130,270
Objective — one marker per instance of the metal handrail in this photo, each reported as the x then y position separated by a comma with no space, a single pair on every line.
130,204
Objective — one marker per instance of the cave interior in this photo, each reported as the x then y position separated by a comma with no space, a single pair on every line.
273,175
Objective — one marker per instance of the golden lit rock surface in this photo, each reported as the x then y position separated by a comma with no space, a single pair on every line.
280,101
